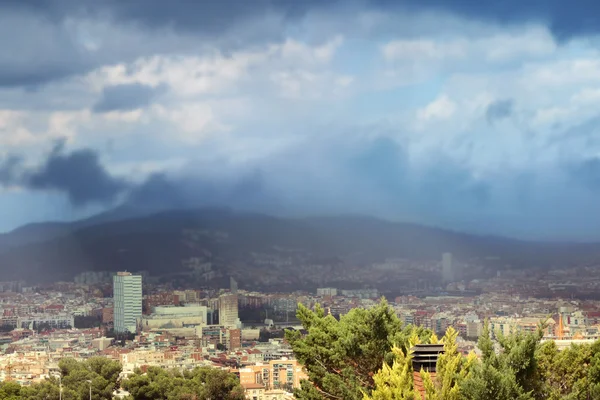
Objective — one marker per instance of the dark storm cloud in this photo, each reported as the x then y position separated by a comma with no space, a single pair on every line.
244,191
35,51
9,170
158,192
565,18
41,46
499,109
79,175
30,76
370,176
126,97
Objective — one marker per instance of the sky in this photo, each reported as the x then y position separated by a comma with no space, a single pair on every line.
475,116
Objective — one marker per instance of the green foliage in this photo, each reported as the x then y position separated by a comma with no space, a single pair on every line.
199,384
395,382
366,356
452,370
10,390
342,357
102,372
573,373
508,374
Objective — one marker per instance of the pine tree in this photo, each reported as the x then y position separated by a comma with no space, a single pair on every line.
451,370
508,375
342,357
395,382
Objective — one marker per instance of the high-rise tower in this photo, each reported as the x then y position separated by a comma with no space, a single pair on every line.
448,274
127,299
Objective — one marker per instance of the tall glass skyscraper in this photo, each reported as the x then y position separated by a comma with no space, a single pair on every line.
127,299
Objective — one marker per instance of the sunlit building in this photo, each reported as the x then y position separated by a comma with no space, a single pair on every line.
127,297
228,310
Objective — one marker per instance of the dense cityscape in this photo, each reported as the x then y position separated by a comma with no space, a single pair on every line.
121,317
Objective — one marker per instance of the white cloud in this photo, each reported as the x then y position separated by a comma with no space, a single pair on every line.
415,60
65,124
13,131
185,76
216,74
440,109
423,50
533,42
587,96
124,116
561,72
196,121
297,52
551,115
22,129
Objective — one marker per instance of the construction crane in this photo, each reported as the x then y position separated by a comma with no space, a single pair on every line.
560,332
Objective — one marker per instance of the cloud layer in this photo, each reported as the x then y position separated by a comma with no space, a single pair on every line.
479,117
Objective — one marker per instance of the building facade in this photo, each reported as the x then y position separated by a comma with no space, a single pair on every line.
448,274
127,297
228,310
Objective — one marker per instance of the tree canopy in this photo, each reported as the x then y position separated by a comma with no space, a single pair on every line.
199,384
101,373
342,357
366,355
103,376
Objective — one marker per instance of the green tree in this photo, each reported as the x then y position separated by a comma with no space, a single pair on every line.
342,357
199,384
10,390
395,382
573,373
102,372
593,373
47,390
451,371
510,374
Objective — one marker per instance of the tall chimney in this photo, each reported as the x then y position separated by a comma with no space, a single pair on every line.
424,357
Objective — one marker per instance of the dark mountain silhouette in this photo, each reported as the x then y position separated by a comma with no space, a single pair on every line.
159,242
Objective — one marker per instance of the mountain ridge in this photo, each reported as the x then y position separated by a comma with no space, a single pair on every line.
162,241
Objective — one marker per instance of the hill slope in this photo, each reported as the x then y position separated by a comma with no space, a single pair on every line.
159,243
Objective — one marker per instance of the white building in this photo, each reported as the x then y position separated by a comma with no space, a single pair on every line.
326,292
62,321
228,310
127,297
173,317
447,268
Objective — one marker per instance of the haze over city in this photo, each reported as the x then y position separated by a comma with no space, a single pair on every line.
469,116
